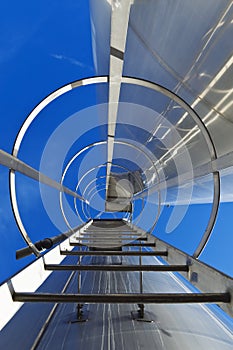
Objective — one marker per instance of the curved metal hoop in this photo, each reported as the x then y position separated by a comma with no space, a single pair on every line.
91,170
97,190
88,172
126,80
101,143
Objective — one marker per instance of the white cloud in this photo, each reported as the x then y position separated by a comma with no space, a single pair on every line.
70,60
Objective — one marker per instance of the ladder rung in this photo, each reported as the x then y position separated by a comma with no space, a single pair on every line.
124,228
170,298
125,245
103,235
119,253
140,245
109,230
113,239
132,268
104,241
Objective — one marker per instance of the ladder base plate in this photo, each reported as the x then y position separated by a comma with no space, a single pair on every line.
147,317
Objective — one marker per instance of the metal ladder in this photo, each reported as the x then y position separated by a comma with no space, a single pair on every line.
112,238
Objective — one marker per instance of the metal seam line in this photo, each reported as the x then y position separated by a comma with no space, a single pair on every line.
117,53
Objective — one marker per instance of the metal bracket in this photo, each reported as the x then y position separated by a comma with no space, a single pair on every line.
141,315
81,316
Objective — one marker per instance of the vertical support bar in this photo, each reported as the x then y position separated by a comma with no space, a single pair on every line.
141,306
81,317
79,306
141,276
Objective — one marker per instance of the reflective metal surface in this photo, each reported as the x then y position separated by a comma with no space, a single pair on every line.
144,146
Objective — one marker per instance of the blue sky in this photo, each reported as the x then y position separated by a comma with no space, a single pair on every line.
218,251
44,45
